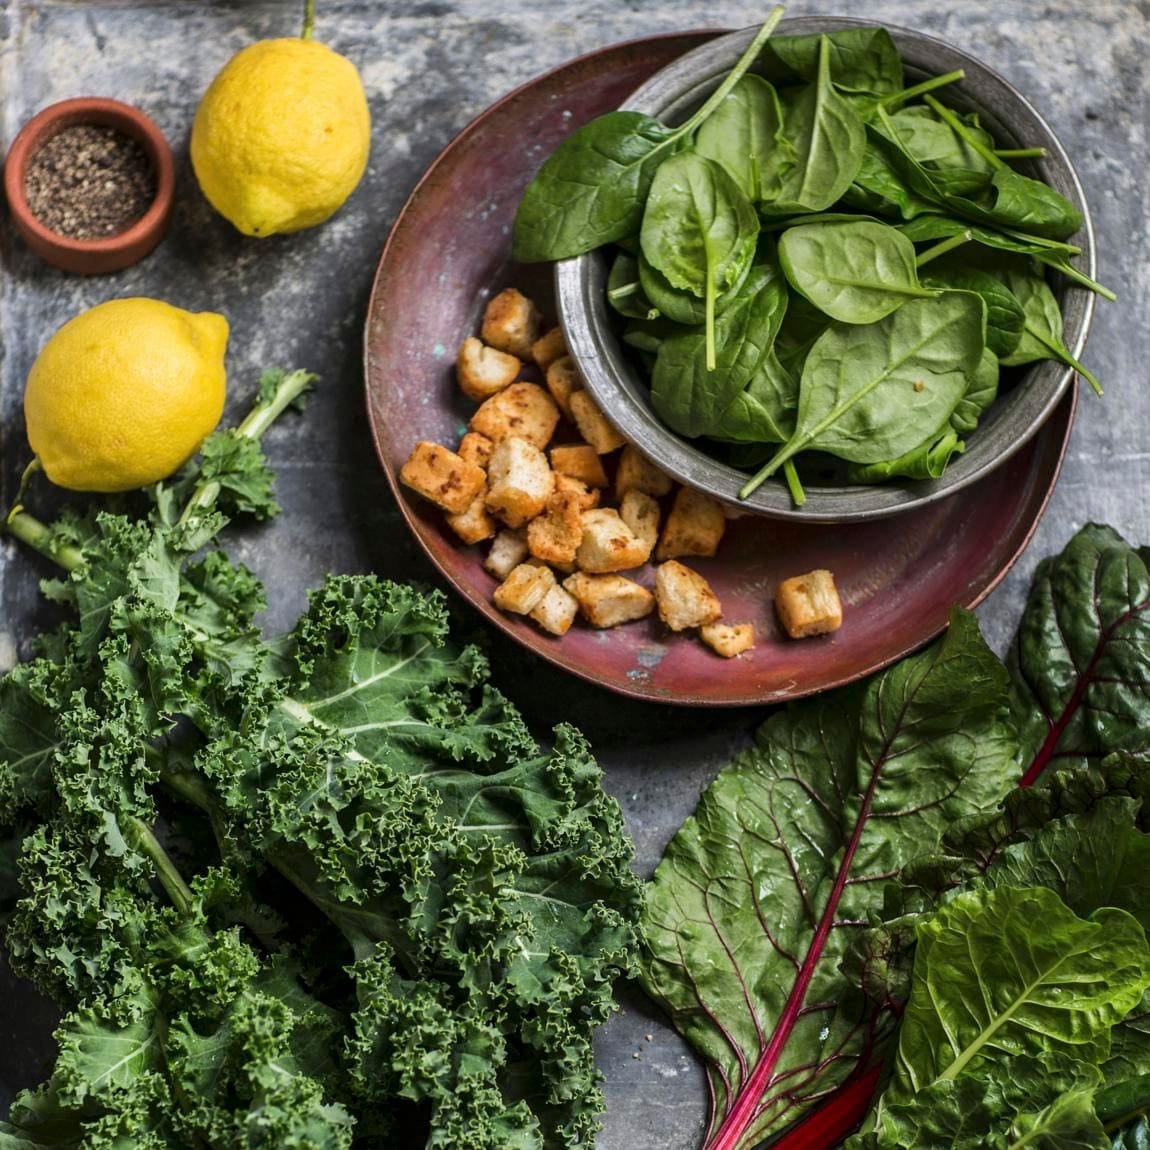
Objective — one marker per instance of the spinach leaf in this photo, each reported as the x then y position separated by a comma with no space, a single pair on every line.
926,228
879,189
854,272
647,334
936,145
927,461
1042,327
874,392
864,61
829,139
689,396
699,231
758,895
980,394
802,326
624,291
764,411
1079,661
681,306
1005,317
745,136
591,189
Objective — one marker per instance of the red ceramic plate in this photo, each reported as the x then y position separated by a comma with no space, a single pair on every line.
449,252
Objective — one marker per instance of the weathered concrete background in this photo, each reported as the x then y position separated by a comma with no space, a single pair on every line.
430,66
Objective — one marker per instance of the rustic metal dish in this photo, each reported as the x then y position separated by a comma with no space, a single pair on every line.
612,377
449,251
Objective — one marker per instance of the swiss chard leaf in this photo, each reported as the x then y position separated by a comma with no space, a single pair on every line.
759,894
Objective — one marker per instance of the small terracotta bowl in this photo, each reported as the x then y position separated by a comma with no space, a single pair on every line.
110,253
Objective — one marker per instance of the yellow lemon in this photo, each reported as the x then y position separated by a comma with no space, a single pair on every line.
124,394
281,137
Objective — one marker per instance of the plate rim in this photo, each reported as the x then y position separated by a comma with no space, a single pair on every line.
548,647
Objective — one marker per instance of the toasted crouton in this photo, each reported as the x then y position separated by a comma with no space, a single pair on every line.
685,598
588,497
511,323
548,348
508,550
694,527
608,600
523,590
728,640
563,381
555,535
581,461
641,513
593,424
608,544
443,477
519,481
476,448
475,524
637,473
523,409
809,604
556,611
483,371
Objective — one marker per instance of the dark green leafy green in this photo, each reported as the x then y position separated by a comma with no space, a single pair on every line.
853,272
927,461
863,61
1005,316
760,893
624,291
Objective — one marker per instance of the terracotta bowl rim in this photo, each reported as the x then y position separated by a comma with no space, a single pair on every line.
98,111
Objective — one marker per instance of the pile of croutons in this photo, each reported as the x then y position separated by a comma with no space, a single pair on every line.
557,550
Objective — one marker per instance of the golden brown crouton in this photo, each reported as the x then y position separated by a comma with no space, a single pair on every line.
523,409
508,550
728,640
593,424
511,323
556,611
641,513
519,481
608,544
588,497
475,524
548,348
523,590
809,604
685,598
476,448
581,461
608,600
443,477
563,381
555,535
637,473
694,527
482,371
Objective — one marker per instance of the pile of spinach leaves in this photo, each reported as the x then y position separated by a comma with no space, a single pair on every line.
825,260
921,903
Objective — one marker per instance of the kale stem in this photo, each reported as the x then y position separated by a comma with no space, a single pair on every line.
964,133
266,411
190,788
734,76
29,530
29,473
941,248
898,98
794,483
308,20
170,878
1062,354
1020,153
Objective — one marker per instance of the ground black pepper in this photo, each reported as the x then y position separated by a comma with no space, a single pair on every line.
89,182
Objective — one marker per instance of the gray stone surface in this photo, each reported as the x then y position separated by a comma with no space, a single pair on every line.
430,66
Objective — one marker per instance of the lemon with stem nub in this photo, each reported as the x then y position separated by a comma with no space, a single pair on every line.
124,394
281,137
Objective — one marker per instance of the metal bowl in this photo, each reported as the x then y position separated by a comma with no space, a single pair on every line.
612,378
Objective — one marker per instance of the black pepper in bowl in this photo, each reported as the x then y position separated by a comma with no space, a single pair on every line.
89,182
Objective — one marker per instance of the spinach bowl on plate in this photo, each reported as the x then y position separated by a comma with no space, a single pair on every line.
822,269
